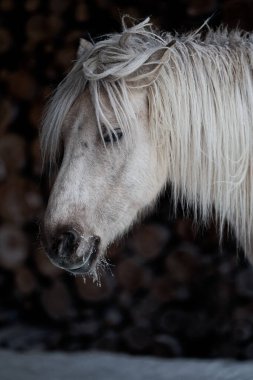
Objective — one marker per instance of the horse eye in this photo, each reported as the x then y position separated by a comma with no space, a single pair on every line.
115,136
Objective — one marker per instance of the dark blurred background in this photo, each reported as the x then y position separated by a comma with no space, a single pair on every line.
171,290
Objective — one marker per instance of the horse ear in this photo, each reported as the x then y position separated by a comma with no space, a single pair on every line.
83,45
148,73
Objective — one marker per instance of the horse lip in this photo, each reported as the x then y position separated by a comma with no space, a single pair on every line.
82,270
86,266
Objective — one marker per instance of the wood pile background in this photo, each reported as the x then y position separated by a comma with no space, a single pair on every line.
171,291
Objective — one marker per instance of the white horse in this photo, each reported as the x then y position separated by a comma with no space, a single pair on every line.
141,109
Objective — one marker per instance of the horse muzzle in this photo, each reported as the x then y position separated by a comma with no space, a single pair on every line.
72,251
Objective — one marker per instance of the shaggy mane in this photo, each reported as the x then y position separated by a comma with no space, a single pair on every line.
200,95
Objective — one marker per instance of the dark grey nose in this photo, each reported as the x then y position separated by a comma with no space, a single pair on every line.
64,247
65,244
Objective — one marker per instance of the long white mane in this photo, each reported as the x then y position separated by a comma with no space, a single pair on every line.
200,95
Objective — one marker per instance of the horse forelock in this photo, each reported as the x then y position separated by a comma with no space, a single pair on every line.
106,68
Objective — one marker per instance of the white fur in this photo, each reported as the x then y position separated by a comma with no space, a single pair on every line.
184,104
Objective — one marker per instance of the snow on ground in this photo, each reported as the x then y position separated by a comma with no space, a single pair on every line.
107,366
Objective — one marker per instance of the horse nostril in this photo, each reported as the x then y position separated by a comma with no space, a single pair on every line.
66,243
95,241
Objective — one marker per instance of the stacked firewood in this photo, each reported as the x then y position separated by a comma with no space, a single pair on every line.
169,290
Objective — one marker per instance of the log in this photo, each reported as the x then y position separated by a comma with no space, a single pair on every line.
149,240
161,289
36,157
22,337
88,290
22,85
35,112
113,317
8,112
64,57
58,6
85,329
198,327
167,345
147,308
244,283
21,201
130,275
12,154
242,331
138,338
25,281
173,322
55,24
199,7
248,352
237,13
7,5
81,12
31,5
37,29
184,229
40,28
124,300
13,247
183,263
44,265
56,301
108,340
5,40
